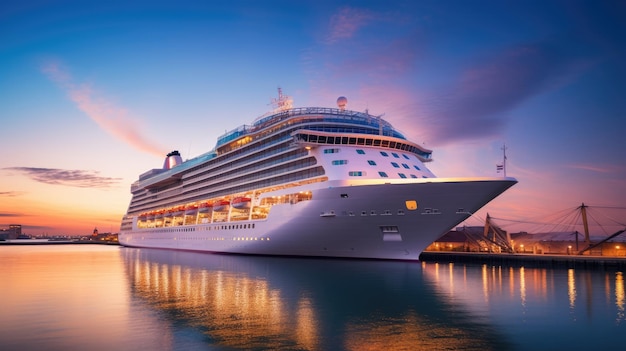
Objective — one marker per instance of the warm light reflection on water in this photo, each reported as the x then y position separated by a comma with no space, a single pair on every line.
91,297
571,288
619,296
68,297
236,309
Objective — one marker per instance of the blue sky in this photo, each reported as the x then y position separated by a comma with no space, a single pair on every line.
93,94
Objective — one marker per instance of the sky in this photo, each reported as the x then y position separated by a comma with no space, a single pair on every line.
93,93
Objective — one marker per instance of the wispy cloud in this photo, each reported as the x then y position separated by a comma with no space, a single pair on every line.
597,168
75,178
346,22
390,64
9,214
11,193
477,103
114,119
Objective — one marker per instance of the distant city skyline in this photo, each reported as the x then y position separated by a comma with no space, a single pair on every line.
94,94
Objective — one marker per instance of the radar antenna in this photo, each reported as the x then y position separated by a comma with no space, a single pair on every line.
283,102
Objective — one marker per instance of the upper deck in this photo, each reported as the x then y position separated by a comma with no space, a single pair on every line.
327,115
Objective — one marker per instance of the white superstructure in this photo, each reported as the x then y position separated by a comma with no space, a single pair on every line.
305,182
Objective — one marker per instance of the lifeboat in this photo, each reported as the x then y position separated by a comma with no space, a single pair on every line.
178,211
190,209
205,207
221,205
241,203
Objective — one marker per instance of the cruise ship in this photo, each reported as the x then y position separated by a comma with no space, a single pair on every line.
308,181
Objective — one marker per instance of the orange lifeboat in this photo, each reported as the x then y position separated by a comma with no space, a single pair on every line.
178,211
205,207
241,203
189,209
221,205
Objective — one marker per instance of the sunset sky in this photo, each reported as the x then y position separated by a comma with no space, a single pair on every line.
93,93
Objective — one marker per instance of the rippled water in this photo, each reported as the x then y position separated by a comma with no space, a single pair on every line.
94,297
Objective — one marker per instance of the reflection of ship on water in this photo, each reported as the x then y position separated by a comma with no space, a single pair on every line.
305,304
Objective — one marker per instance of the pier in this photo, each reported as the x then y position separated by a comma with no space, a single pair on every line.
526,260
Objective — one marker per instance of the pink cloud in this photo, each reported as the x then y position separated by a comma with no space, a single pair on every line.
113,119
346,23
595,168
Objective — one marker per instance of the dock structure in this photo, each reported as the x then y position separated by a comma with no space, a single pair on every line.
492,238
526,260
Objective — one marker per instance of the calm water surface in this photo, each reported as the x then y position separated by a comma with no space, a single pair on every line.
94,297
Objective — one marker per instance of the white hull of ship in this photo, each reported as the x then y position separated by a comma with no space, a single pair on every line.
364,221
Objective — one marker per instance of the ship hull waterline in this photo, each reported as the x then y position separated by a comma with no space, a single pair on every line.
365,221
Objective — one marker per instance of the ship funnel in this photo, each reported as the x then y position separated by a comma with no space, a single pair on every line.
172,160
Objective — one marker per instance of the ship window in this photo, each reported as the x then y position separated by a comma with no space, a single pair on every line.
405,166
395,165
384,154
393,153
339,162
368,141
416,167
360,152
405,156
383,174
371,162
402,175
343,196
352,141
377,142
331,151
360,141
355,173
413,176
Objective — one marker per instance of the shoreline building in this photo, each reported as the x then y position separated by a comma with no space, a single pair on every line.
14,232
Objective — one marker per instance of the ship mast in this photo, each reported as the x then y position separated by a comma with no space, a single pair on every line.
283,102
502,166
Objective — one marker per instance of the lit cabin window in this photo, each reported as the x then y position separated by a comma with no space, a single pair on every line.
383,174
395,165
331,151
360,152
384,154
402,175
355,174
339,162
371,162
